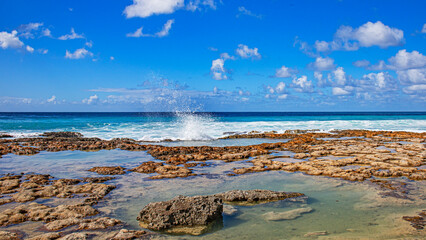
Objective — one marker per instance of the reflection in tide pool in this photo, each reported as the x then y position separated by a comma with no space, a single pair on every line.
342,209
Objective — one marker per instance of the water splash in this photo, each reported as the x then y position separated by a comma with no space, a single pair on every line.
193,127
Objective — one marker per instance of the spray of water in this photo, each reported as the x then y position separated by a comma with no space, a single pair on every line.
193,127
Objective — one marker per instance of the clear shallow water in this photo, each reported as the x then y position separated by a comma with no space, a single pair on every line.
343,209
200,126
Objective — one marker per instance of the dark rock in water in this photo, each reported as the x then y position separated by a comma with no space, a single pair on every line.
4,135
251,197
62,134
190,215
108,170
418,222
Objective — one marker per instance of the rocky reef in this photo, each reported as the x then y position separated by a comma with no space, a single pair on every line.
198,214
252,197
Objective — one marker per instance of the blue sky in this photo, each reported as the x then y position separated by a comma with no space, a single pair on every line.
210,55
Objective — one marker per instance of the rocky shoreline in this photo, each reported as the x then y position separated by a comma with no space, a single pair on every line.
379,157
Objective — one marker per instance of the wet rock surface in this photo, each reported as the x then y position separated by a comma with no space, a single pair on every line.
108,170
287,215
418,222
251,197
180,212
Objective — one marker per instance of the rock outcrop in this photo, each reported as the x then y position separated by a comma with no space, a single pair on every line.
251,197
182,214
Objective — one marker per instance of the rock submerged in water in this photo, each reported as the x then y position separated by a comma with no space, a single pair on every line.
182,213
288,215
108,170
252,197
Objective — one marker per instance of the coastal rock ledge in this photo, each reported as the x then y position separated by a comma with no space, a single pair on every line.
190,215
200,214
252,197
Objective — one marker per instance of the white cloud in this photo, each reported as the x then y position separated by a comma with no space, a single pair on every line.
47,33
322,46
424,28
412,76
72,35
164,31
340,76
91,100
351,39
146,8
302,84
166,28
381,81
339,91
52,99
15,100
280,87
378,34
244,11
136,34
111,58
226,56
406,60
218,69
415,89
25,30
10,40
284,72
78,54
194,5
245,52
282,96
89,44
322,64
29,49
361,63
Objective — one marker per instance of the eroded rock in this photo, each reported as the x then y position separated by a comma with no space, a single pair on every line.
182,213
251,197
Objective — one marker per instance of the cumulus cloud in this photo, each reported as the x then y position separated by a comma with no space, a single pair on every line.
322,64
218,70
245,52
405,60
378,82
415,89
78,54
244,11
146,8
322,46
29,49
410,67
198,4
412,76
348,38
162,33
376,34
91,100
361,63
47,33
10,40
72,35
284,72
340,76
337,91
302,84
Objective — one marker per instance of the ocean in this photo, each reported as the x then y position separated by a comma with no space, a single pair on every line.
202,126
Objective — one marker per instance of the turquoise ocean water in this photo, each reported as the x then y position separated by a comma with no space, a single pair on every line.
201,126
